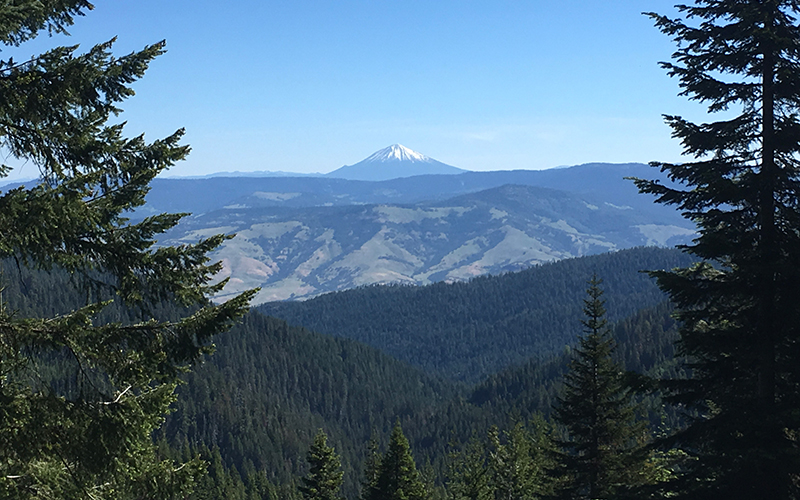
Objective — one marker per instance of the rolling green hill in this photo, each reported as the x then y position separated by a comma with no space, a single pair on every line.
466,331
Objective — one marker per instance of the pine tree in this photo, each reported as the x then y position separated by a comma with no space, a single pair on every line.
514,464
602,455
521,463
397,477
84,430
372,467
469,476
738,306
324,477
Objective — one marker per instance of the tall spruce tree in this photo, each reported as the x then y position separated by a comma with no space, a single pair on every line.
325,474
602,456
397,477
88,434
738,306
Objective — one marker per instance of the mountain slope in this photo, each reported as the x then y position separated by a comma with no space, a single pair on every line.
305,252
468,330
260,398
300,237
393,162
644,345
268,387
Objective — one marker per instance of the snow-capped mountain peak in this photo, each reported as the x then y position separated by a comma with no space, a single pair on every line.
391,163
397,152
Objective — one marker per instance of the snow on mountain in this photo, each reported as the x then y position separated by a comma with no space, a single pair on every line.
398,152
393,162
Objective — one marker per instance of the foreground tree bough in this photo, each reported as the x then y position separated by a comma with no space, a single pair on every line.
83,430
738,306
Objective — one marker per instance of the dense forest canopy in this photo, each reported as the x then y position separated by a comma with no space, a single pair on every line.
465,331
253,407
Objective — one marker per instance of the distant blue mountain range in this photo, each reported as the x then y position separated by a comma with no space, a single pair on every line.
298,237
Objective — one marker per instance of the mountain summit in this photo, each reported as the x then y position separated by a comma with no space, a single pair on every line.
398,152
391,163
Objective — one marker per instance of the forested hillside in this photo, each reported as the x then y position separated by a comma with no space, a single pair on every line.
268,388
254,406
645,345
261,397
574,380
465,331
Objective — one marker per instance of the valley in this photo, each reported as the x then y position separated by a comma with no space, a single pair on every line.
399,328
446,360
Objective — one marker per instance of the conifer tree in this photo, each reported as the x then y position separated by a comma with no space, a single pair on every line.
521,463
90,436
738,307
513,464
602,455
469,476
372,467
397,478
324,477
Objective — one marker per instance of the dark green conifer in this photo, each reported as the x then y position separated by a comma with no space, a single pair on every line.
469,475
324,478
520,461
602,455
514,464
738,306
397,478
372,467
85,430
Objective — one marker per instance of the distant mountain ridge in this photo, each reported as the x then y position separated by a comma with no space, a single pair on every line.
393,162
202,195
303,252
301,237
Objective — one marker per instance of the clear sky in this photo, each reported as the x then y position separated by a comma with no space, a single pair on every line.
309,86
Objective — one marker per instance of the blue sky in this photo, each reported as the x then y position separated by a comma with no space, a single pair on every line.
309,86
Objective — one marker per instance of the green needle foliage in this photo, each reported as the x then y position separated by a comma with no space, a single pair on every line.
83,430
324,477
738,307
372,467
396,476
469,476
602,455
508,465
